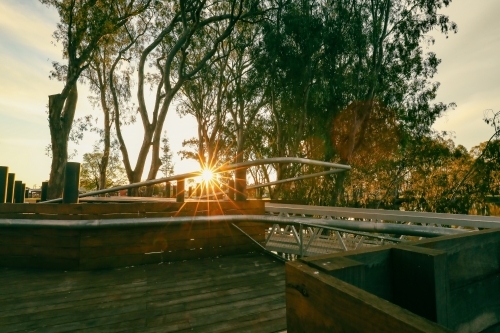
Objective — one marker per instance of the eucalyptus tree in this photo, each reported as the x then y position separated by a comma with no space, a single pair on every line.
167,57
82,27
203,98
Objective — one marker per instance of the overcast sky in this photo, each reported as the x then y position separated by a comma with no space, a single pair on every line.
469,75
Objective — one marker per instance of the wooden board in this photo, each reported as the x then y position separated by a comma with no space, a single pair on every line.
318,302
229,294
129,210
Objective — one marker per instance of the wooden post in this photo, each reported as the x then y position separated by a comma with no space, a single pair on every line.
4,180
230,189
19,191
71,182
198,190
174,191
167,190
45,188
26,193
10,188
240,182
190,191
180,190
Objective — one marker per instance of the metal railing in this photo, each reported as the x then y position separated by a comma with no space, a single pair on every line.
225,168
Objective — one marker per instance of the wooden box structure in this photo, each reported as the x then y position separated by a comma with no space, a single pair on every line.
95,236
443,284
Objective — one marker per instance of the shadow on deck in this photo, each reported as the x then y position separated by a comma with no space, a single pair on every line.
243,293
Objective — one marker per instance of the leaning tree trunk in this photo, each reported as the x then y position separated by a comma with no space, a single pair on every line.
61,115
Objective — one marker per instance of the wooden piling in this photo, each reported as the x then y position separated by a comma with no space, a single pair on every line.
45,188
10,188
19,188
240,182
71,182
180,190
230,189
4,180
167,190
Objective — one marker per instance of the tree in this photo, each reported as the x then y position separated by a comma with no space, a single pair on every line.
90,176
167,165
83,24
172,49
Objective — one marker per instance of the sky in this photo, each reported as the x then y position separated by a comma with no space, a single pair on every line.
469,75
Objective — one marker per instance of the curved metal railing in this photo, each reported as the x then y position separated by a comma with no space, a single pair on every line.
225,168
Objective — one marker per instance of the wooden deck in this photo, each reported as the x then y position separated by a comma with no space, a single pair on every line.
244,293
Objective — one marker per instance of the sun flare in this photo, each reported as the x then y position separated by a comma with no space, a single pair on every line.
207,175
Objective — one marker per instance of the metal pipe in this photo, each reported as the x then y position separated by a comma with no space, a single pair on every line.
312,175
275,256
223,168
390,228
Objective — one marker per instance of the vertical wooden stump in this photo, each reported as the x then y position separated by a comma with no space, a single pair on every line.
19,191
167,190
4,180
26,192
240,182
45,188
180,191
10,188
71,182
230,189
258,193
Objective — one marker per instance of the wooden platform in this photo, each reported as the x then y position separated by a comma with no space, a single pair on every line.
242,293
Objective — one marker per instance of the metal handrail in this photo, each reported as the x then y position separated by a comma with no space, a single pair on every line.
223,168
385,228
462,220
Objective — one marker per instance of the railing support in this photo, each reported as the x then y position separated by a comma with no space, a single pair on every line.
71,182
180,190
240,182
230,189
167,190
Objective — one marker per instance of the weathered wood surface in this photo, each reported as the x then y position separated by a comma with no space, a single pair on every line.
242,293
318,302
110,247
451,280
133,209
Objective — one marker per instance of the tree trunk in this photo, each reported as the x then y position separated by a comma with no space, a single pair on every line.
61,115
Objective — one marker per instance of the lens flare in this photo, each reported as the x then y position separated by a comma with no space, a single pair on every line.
207,175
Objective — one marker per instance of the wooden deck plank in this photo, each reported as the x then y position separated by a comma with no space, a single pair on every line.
244,292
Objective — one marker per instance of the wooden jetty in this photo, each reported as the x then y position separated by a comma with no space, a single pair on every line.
121,266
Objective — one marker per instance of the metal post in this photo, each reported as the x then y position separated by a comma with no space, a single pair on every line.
19,191
45,189
167,190
230,189
10,188
71,182
240,181
180,190
4,180
301,237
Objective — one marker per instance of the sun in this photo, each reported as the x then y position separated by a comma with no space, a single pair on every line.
207,175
